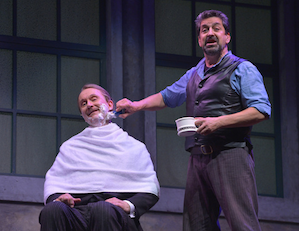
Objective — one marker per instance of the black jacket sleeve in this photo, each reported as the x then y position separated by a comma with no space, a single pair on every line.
143,202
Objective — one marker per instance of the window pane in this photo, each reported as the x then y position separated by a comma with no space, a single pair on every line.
172,159
36,145
165,76
36,82
173,27
6,17
80,21
254,41
36,19
71,127
75,72
200,7
5,78
169,115
5,143
265,169
257,2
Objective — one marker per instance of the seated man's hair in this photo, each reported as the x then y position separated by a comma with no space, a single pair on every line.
102,90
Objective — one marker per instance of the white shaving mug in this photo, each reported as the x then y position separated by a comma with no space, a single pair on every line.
186,126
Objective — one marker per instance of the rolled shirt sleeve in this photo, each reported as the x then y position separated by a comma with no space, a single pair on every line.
248,82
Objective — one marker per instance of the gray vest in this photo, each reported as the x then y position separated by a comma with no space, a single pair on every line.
212,97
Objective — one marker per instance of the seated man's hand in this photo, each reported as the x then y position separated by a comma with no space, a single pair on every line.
117,202
68,199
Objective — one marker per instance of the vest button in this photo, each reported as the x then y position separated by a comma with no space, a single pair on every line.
200,85
196,102
195,138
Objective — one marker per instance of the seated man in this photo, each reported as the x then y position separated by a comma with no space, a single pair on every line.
102,178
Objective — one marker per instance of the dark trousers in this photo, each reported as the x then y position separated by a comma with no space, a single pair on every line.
226,180
97,216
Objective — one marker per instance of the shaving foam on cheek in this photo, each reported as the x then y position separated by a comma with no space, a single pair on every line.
110,116
103,111
102,118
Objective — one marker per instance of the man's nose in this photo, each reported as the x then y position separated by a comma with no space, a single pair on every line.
210,32
89,103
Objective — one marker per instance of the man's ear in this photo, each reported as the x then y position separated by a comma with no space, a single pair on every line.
228,38
110,105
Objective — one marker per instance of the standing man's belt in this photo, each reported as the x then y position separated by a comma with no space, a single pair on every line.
207,149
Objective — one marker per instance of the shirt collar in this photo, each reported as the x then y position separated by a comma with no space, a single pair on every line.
201,65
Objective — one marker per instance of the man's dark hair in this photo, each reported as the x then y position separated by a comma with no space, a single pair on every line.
212,13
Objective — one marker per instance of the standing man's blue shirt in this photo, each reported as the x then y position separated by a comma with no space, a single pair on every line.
246,80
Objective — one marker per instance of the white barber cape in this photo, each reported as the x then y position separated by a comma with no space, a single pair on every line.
101,159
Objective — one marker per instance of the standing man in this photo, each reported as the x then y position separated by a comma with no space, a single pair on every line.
226,95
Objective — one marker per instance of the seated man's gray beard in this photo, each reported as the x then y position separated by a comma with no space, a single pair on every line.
102,118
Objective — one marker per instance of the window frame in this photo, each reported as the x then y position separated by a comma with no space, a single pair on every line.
29,188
